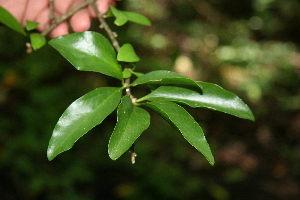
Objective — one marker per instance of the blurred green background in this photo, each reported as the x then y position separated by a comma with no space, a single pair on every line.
249,47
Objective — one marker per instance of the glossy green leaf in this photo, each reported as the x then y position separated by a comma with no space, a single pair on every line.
212,97
81,116
89,51
127,54
132,121
10,21
37,40
181,120
165,77
31,25
123,16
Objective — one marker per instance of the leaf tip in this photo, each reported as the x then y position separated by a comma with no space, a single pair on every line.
112,155
211,162
50,155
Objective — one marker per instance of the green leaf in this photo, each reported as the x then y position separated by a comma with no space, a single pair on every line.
165,77
37,40
212,97
137,74
123,16
31,25
127,54
127,73
10,21
108,14
138,18
89,51
132,121
181,120
81,116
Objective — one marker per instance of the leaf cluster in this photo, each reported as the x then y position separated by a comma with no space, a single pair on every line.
90,51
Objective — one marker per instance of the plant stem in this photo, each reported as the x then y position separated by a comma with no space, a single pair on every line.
112,35
64,17
128,91
51,14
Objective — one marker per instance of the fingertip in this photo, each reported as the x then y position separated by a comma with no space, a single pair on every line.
61,29
80,21
103,5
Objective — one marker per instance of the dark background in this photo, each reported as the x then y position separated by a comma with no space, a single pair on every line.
249,47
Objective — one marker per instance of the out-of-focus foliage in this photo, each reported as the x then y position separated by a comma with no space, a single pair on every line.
248,47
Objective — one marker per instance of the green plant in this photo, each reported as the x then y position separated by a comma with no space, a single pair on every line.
90,51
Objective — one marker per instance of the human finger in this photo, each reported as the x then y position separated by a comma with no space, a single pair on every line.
16,8
80,21
61,29
102,6
34,10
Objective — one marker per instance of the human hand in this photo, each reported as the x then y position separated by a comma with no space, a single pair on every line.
39,10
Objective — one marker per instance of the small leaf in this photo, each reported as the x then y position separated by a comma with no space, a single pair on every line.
165,77
81,116
37,40
31,25
89,51
10,21
108,14
127,73
123,16
138,18
132,121
137,74
181,120
127,54
212,97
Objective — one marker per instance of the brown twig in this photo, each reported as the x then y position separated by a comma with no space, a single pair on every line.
51,14
128,91
64,17
112,35
56,21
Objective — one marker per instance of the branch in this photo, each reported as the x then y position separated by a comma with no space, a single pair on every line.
51,14
64,17
56,21
112,35
128,91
